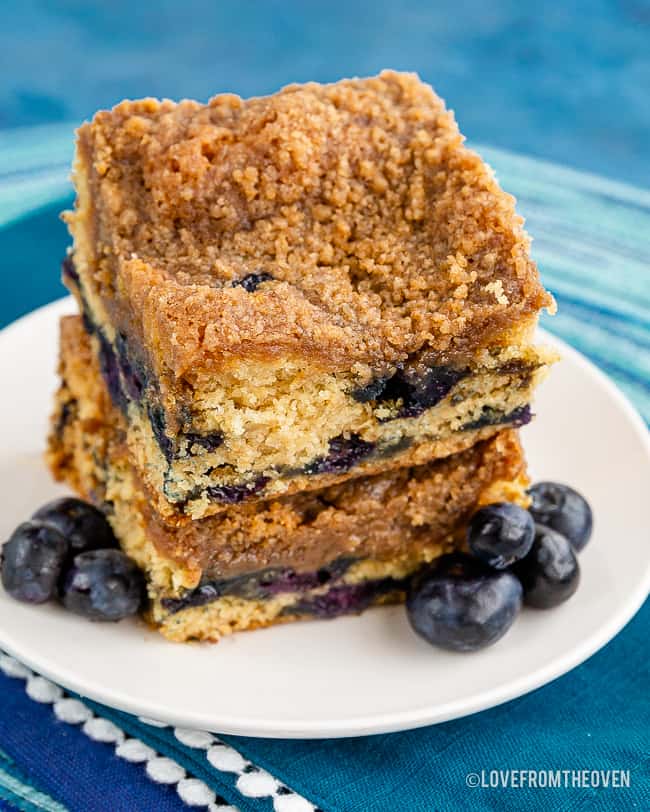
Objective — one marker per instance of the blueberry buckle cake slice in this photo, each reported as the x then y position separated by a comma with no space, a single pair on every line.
320,553
291,291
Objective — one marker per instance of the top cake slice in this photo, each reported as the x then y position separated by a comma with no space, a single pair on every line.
291,290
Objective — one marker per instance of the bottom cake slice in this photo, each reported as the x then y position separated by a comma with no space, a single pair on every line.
318,554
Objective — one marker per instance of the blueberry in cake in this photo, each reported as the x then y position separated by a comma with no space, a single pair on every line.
290,291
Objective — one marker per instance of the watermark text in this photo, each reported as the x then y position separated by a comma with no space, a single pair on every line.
542,779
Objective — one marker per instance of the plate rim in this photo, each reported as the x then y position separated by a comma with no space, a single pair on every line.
385,722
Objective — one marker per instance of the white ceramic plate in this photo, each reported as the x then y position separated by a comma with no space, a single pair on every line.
356,675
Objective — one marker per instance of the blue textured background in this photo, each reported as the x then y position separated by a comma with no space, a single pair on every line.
567,81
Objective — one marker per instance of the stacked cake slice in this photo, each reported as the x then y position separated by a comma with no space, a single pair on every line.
304,345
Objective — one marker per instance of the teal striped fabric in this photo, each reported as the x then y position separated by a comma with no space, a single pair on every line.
18,792
591,240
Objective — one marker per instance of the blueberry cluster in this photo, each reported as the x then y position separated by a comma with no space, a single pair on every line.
465,602
67,551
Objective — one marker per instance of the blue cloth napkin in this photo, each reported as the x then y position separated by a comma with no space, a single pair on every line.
593,247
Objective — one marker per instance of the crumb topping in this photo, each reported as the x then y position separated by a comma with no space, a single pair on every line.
376,232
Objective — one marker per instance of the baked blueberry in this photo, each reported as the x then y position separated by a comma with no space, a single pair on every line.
371,391
517,418
424,387
461,604
234,494
210,442
32,562
343,599
103,585
417,386
132,371
252,281
563,509
110,368
261,585
82,525
344,453
550,573
501,534
157,420
68,270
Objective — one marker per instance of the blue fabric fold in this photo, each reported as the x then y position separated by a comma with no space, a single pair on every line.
81,774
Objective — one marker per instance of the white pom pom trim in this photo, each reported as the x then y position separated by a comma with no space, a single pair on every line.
252,781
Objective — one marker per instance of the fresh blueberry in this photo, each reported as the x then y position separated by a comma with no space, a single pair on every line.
252,282
103,585
83,526
32,561
550,573
501,534
459,603
563,509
